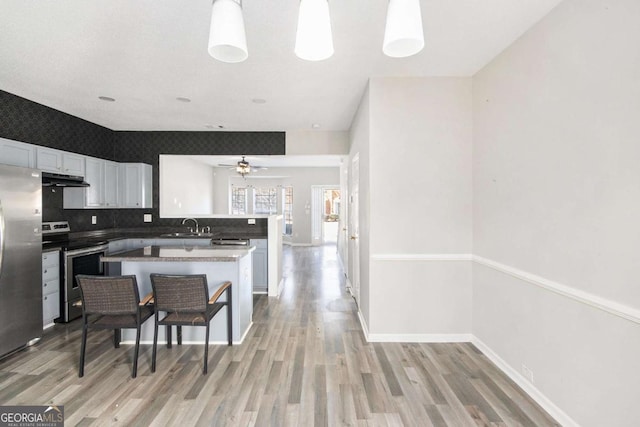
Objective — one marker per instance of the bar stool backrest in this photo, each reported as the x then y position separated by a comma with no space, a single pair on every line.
180,293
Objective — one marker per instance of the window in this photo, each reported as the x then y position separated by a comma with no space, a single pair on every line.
288,211
238,200
265,200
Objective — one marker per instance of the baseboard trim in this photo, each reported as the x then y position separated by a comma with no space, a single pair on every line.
419,338
296,244
363,324
131,342
558,414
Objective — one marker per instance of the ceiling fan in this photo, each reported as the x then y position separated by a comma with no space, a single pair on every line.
243,167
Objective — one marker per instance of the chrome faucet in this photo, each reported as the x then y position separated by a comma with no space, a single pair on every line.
195,221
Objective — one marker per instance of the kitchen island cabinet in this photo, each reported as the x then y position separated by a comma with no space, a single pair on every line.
220,264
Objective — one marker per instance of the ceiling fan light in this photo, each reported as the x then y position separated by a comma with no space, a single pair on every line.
227,39
242,167
314,41
403,35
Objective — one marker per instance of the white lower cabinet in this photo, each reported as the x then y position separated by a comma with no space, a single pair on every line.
50,287
260,265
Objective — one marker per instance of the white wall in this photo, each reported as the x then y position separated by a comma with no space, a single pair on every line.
178,199
311,142
418,180
557,195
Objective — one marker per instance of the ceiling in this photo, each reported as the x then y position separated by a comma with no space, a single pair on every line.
146,53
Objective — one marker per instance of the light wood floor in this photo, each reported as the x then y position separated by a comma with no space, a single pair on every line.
304,362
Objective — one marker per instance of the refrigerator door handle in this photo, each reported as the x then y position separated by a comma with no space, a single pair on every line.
1,236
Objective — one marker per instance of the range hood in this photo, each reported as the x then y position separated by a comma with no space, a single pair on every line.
58,180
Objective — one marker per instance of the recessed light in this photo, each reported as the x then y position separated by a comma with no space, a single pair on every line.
182,99
315,126
106,98
259,101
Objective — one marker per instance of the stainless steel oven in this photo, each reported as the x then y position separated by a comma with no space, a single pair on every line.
78,261
78,255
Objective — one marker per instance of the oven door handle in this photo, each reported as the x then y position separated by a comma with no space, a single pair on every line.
87,251
2,231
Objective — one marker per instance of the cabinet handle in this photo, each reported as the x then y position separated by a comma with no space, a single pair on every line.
45,298
45,272
45,285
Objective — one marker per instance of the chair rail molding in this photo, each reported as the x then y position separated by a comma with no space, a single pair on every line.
604,304
612,307
422,257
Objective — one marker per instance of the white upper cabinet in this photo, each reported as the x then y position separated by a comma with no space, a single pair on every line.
136,185
94,175
111,184
73,164
102,176
17,153
49,160
111,181
57,161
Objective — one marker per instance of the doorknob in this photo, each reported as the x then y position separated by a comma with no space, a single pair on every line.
353,237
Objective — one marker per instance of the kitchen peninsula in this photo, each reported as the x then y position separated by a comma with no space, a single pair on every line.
220,264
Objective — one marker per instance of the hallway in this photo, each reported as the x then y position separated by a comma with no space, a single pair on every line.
304,362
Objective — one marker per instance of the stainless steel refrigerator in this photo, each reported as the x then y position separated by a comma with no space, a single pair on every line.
20,257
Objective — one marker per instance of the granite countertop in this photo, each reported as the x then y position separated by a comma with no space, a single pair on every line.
164,233
180,254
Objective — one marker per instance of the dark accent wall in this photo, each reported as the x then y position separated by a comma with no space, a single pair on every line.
27,121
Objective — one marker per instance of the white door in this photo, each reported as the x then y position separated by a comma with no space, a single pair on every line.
354,227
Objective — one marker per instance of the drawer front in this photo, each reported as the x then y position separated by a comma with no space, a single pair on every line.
50,286
50,308
50,259
50,273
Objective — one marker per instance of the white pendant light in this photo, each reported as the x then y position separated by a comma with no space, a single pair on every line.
403,35
314,41
227,40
